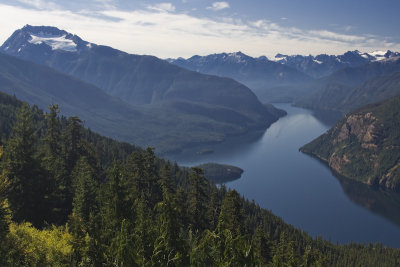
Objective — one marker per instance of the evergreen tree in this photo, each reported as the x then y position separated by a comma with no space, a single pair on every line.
73,142
124,247
28,188
152,188
197,199
144,232
85,185
231,216
55,165
168,247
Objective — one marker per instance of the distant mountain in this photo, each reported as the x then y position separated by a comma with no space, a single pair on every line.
351,88
269,80
134,78
324,65
173,108
43,86
364,145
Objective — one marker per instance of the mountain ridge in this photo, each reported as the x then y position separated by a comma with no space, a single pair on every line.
351,88
171,101
259,74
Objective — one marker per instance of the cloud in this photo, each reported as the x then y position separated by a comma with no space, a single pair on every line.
164,7
173,34
218,6
39,4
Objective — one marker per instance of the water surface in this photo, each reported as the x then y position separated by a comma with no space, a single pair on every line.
301,189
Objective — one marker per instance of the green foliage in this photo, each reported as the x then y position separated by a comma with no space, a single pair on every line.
364,146
28,187
197,199
32,247
221,173
139,210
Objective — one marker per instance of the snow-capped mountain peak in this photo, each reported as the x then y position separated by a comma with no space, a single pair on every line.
43,38
56,42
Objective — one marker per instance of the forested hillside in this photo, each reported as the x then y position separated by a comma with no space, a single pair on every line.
70,197
170,126
364,145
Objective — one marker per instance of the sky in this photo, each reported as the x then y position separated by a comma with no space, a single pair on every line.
183,28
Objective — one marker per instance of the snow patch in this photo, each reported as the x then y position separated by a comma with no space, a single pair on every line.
56,42
378,55
237,57
317,61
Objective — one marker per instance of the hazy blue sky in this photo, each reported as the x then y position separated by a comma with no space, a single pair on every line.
187,27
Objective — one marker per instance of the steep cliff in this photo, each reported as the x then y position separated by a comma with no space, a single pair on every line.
364,145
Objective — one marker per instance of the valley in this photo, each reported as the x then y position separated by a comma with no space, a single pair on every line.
319,202
110,158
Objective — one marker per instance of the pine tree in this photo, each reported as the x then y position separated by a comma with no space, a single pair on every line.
197,199
72,142
55,165
231,216
152,188
28,188
168,246
85,185
144,231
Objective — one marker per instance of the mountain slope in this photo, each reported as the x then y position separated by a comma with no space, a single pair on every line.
351,88
134,78
364,145
259,74
175,108
168,126
324,65
114,197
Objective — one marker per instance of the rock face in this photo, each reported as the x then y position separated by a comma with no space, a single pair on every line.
365,145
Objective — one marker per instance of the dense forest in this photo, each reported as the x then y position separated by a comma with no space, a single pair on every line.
70,197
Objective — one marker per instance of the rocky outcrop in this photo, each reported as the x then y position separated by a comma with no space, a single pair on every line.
365,145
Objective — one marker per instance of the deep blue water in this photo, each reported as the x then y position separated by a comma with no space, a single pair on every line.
301,189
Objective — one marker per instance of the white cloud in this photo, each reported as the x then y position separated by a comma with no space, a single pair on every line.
218,6
39,4
165,7
166,34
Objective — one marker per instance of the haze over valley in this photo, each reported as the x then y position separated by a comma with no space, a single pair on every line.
199,133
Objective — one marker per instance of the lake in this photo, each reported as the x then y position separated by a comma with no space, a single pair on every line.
302,190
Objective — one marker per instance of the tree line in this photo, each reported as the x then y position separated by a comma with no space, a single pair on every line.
70,197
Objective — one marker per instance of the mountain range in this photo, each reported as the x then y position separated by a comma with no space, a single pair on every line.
323,65
269,80
144,99
282,78
353,87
